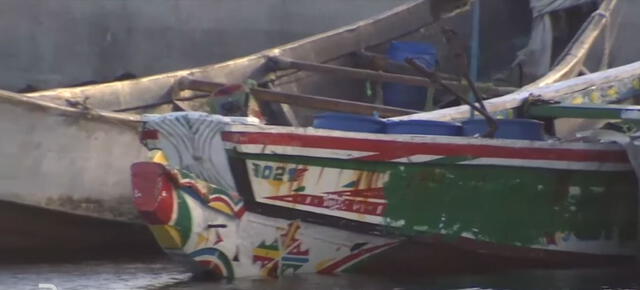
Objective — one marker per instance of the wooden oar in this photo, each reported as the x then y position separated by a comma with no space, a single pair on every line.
493,125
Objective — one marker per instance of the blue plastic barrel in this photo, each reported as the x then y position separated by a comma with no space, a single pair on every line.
521,129
424,127
405,96
349,122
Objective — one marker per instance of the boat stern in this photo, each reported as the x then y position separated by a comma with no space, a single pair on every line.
187,216
155,199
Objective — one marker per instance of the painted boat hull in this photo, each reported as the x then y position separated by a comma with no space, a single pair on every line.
210,228
489,203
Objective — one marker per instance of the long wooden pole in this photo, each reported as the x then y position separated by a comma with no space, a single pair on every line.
307,101
378,61
284,63
473,57
493,126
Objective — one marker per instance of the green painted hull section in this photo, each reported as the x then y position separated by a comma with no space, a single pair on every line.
183,220
512,205
498,204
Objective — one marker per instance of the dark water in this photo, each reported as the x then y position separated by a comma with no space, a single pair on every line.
164,274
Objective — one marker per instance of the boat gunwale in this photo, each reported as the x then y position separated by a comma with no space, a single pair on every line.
26,101
410,138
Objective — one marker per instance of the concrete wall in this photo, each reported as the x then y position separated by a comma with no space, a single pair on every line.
505,29
57,43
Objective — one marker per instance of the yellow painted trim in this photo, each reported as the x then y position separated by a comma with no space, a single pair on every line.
167,236
221,207
159,157
274,254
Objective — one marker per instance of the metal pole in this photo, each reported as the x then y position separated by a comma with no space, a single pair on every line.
475,48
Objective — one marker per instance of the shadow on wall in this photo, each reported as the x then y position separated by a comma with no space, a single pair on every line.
68,42
28,88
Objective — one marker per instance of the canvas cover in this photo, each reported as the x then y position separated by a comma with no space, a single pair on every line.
536,57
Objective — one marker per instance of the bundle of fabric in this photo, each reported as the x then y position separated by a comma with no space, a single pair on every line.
536,57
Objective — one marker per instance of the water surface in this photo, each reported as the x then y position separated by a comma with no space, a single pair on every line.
162,273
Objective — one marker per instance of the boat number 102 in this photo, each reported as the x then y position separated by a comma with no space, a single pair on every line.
277,173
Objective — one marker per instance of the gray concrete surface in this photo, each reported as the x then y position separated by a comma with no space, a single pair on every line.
58,43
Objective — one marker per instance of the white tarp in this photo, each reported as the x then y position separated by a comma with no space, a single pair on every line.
536,57
192,141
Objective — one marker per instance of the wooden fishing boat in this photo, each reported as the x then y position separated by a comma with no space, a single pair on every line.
313,200
82,140
240,198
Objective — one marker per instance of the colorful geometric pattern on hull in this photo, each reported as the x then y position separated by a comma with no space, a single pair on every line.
477,201
212,227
